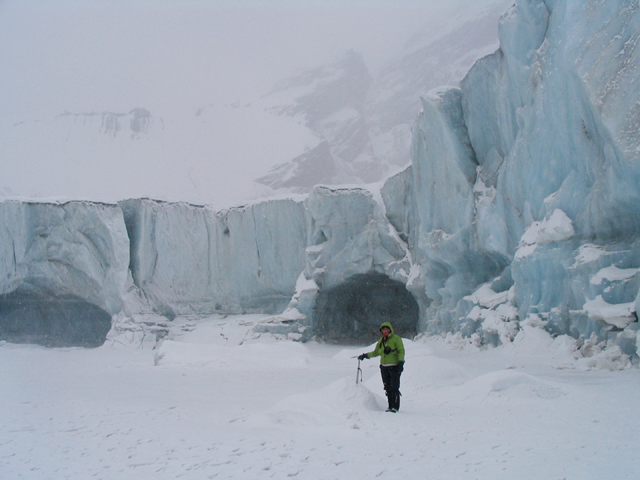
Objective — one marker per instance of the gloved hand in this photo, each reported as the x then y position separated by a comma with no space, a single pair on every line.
363,356
401,366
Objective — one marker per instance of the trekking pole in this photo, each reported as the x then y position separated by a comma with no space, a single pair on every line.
358,372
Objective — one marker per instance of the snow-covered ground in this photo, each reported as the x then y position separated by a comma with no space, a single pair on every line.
217,401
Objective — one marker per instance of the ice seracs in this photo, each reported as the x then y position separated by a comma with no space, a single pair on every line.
543,134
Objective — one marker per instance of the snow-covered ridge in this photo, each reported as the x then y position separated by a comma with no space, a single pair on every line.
134,123
363,119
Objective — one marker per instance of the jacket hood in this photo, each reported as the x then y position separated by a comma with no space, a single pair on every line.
388,325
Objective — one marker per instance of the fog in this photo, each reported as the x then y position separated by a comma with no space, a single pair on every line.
172,58
57,55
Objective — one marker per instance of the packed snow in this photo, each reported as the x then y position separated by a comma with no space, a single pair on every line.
216,400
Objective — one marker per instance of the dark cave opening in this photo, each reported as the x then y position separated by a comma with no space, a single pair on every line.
351,313
52,321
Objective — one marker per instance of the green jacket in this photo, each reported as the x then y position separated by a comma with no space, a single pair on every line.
394,342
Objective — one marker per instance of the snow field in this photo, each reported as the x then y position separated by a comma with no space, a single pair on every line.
220,402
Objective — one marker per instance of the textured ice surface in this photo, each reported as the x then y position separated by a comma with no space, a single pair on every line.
77,248
532,165
520,207
63,271
193,260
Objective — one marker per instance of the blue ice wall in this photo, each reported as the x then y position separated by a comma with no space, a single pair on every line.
194,260
532,162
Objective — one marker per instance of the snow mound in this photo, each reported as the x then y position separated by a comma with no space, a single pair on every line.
611,358
432,372
619,315
555,227
530,341
342,403
511,384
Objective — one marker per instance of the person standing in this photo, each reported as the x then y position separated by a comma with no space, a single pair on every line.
390,349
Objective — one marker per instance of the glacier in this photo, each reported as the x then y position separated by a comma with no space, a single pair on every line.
541,135
193,260
63,271
519,209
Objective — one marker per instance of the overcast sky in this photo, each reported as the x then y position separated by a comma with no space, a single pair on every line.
75,55
172,58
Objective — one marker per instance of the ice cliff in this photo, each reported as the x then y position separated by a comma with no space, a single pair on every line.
73,272
63,271
193,260
520,210
525,180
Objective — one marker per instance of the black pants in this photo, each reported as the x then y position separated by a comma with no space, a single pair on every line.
391,381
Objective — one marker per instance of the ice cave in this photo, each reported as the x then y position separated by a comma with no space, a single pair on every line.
353,311
61,321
